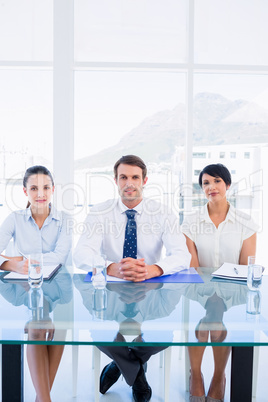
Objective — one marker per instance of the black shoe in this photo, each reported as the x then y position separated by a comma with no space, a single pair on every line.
141,390
109,376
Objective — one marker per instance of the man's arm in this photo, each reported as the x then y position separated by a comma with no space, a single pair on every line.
89,243
177,254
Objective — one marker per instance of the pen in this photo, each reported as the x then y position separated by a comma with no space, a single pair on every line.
24,256
236,270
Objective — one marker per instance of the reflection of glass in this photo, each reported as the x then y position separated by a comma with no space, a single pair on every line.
36,303
35,267
253,302
99,302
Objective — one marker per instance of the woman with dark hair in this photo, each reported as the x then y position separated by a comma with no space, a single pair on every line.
215,234
39,228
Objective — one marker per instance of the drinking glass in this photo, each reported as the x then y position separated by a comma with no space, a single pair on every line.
35,270
254,278
99,264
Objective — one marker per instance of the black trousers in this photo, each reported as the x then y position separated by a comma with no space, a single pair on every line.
129,358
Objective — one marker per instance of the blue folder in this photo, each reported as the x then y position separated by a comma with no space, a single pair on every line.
185,276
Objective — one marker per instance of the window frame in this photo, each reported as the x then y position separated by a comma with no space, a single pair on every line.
63,67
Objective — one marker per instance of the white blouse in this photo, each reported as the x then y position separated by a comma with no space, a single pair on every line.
218,245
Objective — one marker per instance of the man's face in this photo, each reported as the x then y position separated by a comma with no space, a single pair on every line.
130,183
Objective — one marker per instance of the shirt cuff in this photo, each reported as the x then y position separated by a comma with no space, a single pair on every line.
2,260
167,270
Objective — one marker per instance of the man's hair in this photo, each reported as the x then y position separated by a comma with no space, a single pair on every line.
216,170
132,160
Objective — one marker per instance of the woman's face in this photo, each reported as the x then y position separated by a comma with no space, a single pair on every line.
214,188
39,190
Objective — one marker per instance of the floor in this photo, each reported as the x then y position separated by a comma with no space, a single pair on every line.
121,392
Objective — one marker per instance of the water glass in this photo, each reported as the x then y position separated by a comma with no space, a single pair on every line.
99,265
254,278
35,270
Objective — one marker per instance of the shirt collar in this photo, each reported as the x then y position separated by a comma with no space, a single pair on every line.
54,214
231,214
123,208
204,215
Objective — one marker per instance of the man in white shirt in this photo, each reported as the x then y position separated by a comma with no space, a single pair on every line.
136,229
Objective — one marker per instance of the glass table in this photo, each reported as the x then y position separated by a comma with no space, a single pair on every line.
154,314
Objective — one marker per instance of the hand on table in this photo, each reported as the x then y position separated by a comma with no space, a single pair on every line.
16,264
135,270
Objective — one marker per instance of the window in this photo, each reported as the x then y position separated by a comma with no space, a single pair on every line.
134,32
26,96
26,31
161,79
197,189
199,154
197,172
217,46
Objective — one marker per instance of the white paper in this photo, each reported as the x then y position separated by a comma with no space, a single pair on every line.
227,271
115,279
47,271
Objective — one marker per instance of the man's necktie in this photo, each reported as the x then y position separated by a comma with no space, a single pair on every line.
130,310
130,244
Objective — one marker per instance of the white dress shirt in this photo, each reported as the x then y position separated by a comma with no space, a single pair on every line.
104,232
54,239
218,245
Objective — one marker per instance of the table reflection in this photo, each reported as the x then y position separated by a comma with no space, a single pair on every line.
130,305
40,302
216,297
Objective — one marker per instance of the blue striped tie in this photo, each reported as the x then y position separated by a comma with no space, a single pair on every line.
130,244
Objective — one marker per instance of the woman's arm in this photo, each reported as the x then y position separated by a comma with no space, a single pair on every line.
17,258
63,243
248,248
6,234
17,266
192,249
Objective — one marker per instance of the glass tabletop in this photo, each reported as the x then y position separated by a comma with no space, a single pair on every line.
69,310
